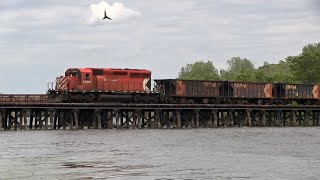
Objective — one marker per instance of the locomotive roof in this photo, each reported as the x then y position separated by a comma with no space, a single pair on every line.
89,70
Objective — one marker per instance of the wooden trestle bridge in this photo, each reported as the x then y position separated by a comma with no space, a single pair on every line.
28,112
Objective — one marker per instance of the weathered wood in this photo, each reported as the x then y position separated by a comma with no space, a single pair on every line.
263,119
249,122
215,118
197,118
15,122
31,119
21,119
178,117
24,119
39,119
231,118
117,118
76,118
98,118
149,119
1,119
157,119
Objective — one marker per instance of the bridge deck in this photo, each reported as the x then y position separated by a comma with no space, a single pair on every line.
35,112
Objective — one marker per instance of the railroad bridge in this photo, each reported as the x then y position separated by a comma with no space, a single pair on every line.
31,112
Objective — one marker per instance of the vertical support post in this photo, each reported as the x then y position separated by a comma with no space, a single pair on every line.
110,116
98,117
263,119
314,118
39,119
51,116
21,119
104,119
307,118
63,119
76,118
94,119
178,117
71,119
210,120
31,119
249,123
1,119
167,117
117,118
149,119
134,119
140,119
231,118
318,118
222,119
46,114
294,114
157,118
291,123
121,119
196,112
55,120
25,118
282,115
15,126
128,118
215,118
300,114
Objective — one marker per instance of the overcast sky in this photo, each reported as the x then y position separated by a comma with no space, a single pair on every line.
40,39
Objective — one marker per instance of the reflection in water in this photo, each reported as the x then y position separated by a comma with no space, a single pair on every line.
235,153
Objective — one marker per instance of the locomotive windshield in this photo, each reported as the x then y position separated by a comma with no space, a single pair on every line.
73,72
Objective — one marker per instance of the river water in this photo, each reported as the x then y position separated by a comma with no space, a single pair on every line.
231,153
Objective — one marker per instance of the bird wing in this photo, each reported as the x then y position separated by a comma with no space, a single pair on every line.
105,13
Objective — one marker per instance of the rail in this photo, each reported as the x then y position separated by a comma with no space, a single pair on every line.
24,98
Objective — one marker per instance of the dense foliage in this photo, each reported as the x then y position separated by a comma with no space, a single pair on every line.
304,68
199,71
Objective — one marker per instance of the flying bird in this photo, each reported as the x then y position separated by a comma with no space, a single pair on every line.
105,15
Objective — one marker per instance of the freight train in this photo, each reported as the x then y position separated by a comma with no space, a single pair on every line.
92,85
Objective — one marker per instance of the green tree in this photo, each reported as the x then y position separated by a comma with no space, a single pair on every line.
280,72
199,70
239,70
306,66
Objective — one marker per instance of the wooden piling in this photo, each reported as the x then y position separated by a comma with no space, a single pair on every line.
197,117
1,119
178,117
76,118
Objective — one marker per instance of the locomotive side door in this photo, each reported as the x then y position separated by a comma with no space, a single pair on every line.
87,81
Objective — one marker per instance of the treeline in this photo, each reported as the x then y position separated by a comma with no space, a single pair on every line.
303,68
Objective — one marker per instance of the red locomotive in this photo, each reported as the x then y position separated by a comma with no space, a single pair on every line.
102,84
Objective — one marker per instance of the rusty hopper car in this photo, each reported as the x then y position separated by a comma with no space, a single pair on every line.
302,93
184,91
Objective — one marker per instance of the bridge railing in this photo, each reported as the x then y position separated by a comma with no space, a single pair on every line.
28,98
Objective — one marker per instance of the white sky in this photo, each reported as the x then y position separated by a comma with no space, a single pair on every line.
40,39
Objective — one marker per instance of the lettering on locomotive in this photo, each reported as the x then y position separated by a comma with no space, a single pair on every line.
86,82
110,79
